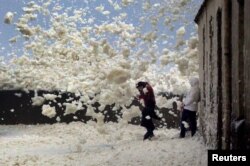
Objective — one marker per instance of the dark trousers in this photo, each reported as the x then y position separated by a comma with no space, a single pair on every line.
148,122
191,116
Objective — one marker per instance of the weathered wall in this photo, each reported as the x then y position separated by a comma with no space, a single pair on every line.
238,81
247,58
247,69
202,53
209,71
236,61
225,72
240,73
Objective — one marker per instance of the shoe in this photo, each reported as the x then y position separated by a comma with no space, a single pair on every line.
181,136
151,136
148,135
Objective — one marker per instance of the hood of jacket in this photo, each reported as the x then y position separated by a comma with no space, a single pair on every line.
194,82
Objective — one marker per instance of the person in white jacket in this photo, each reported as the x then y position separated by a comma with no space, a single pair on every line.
190,107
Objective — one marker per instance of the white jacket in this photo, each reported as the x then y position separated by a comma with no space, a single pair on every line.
193,96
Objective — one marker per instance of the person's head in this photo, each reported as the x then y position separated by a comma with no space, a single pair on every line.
174,105
140,85
194,81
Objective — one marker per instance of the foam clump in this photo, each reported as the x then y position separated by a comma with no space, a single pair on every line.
8,17
37,100
50,96
101,60
48,111
118,76
71,108
130,113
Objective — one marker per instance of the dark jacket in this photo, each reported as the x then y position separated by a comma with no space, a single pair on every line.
148,97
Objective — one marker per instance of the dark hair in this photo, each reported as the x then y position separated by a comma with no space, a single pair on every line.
174,105
141,83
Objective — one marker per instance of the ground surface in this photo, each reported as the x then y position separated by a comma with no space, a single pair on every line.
79,144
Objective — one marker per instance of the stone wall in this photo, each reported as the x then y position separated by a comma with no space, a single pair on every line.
16,108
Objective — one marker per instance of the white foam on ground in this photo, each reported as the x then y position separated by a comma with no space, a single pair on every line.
81,144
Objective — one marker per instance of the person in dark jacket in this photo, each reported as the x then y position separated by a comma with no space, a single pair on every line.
148,112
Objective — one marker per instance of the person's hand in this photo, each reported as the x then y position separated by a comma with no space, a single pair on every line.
137,97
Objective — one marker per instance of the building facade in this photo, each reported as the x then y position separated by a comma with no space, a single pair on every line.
224,57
